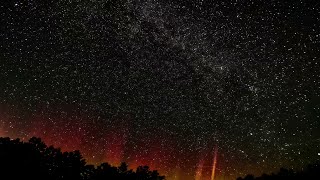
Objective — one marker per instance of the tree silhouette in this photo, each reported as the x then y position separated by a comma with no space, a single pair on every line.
311,172
35,160
144,173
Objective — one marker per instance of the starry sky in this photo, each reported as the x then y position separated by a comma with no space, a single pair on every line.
181,86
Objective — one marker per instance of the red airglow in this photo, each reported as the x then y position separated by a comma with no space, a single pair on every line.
69,136
116,138
100,142
157,153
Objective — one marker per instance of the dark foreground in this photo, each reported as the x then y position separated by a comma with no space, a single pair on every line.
34,160
311,172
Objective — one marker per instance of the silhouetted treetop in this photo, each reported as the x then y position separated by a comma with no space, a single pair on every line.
35,160
311,172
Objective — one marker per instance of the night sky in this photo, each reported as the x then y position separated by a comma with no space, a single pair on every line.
182,86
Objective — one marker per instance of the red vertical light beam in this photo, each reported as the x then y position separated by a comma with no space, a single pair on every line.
214,163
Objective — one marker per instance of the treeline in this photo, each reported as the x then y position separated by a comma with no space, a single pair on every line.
311,172
35,160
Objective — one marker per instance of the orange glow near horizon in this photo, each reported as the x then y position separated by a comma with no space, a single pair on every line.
199,170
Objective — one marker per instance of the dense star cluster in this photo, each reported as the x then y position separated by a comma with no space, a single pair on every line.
166,84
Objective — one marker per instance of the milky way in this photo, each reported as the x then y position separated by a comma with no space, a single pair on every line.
166,84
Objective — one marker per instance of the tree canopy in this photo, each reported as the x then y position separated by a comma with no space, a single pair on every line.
35,160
